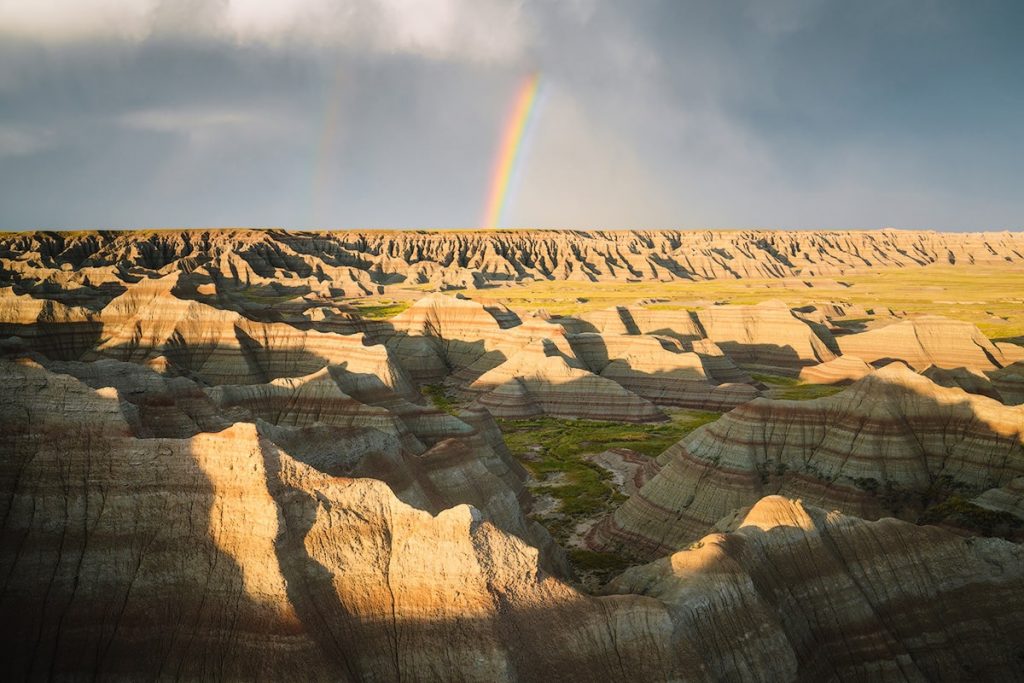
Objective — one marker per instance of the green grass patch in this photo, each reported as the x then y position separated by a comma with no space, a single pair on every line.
792,389
553,449
381,311
776,380
439,397
563,440
688,420
605,563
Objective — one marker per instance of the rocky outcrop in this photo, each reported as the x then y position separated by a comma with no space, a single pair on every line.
353,263
447,338
431,460
630,320
768,334
50,327
222,556
924,341
1008,499
836,371
793,592
440,334
717,364
825,313
301,402
893,443
541,381
155,404
1009,383
642,364
971,381
216,346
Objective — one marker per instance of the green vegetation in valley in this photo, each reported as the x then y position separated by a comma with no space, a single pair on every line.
988,296
777,380
604,565
553,449
380,310
561,441
440,398
792,389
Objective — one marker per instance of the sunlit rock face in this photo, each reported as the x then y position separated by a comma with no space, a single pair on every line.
529,367
541,381
836,371
266,566
643,365
792,592
927,341
768,334
892,444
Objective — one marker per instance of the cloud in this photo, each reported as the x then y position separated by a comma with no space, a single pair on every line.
211,127
487,30
387,112
63,21
20,141
180,120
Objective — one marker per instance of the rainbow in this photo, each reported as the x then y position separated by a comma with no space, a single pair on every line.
326,148
510,151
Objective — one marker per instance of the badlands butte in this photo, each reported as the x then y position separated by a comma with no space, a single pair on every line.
512,455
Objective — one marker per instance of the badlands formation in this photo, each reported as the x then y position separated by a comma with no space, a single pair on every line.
241,454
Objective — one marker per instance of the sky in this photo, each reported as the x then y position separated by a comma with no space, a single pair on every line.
331,114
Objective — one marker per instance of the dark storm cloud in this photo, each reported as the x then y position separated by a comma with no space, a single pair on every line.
800,113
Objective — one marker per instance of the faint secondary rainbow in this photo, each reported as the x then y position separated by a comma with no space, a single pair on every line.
326,147
511,150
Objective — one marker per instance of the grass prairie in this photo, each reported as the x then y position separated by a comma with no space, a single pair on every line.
990,297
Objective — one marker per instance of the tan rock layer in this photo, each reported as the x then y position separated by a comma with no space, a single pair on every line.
220,556
928,340
475,258
837,371
540,381
796,593
890,444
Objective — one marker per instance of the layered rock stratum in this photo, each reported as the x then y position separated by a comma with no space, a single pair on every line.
894,443
926,341
358,262
822,596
